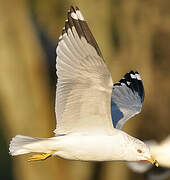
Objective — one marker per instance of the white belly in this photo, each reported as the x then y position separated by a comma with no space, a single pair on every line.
89,148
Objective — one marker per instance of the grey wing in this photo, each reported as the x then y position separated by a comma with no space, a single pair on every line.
127,98
84,84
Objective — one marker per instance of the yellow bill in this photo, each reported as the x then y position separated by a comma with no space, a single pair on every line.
153,161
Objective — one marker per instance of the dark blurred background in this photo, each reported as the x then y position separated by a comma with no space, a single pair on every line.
132,34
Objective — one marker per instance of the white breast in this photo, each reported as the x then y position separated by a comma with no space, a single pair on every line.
90,148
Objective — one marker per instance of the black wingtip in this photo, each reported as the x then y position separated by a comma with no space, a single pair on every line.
76,19
133,81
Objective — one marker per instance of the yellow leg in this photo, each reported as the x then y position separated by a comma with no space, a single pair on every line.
40,157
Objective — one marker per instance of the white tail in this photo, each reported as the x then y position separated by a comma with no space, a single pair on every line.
25,144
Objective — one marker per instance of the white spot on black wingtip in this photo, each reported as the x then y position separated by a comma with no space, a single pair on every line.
133,76
122,84
138,76
79,15
128,83
63,30
133,81
66,20
74,15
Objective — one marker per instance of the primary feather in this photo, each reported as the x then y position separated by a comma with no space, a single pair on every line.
127,98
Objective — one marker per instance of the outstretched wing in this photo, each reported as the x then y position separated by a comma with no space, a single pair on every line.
127,98
84,84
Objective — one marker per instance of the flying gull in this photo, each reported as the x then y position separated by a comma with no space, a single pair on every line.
90,109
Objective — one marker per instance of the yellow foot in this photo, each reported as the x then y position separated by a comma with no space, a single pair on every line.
40,157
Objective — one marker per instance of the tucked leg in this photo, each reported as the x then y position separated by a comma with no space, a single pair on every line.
40,157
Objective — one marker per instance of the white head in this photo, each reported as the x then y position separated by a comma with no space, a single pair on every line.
138,150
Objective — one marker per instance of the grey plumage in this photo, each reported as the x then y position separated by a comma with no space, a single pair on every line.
127,98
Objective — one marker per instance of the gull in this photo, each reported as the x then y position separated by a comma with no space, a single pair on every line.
90,109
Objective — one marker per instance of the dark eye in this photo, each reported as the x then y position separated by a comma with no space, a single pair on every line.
139,151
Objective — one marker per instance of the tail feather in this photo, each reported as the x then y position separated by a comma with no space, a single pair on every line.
23,144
